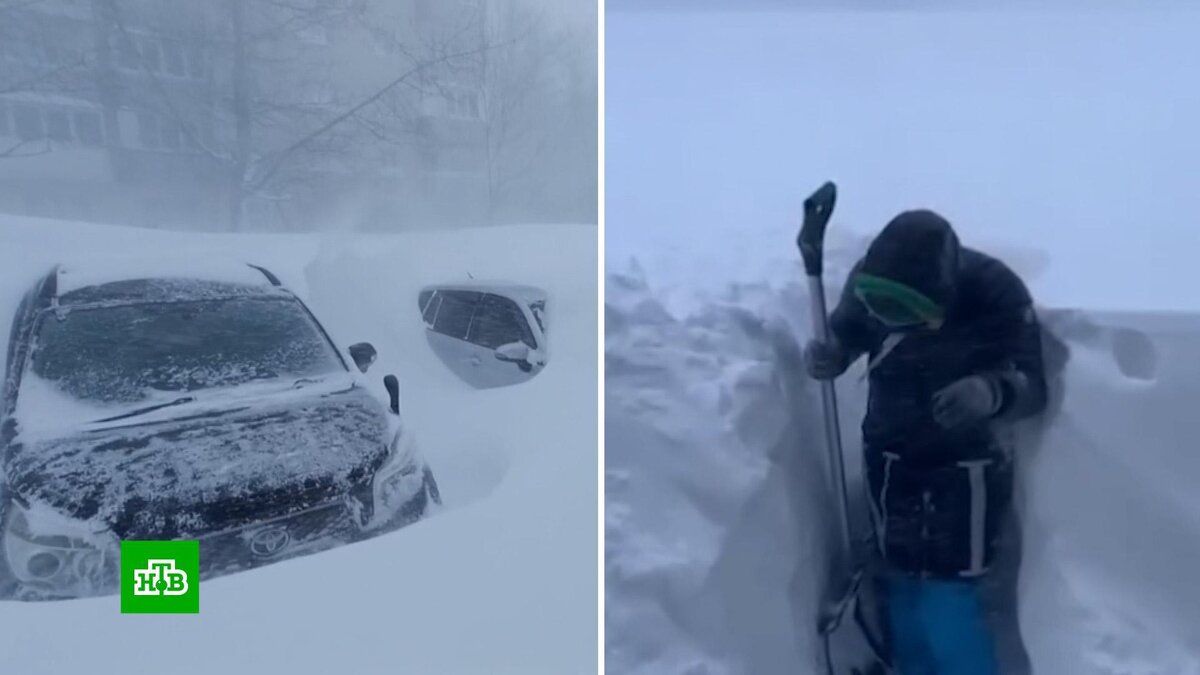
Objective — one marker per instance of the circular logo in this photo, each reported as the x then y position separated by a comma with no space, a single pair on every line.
269,542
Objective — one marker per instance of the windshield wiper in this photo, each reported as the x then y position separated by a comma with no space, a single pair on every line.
149,408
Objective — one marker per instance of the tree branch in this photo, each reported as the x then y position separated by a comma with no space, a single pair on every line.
11,152
281,156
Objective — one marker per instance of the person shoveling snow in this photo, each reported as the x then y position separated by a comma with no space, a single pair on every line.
955,352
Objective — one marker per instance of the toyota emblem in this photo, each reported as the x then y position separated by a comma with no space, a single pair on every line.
269,542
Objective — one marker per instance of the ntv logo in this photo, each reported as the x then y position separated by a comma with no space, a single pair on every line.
160,577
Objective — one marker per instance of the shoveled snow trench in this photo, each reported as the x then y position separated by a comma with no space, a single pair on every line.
717,501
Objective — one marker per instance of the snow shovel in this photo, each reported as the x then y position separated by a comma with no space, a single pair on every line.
850,647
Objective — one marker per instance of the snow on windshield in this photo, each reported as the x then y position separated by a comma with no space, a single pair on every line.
131,353
102,270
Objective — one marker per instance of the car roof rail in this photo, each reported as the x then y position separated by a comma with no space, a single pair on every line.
267,273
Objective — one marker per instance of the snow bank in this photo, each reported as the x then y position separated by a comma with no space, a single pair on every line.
1110,505
709,565
717,497
502,581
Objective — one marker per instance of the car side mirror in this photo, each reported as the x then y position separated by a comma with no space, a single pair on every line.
513,352
393,389
363,354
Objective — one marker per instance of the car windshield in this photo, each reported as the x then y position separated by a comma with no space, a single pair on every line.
132,353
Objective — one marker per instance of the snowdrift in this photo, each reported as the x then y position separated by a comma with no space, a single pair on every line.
501,581
717,501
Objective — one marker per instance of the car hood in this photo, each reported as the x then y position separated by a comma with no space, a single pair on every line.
208,472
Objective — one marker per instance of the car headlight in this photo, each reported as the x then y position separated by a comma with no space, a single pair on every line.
58,555
400,478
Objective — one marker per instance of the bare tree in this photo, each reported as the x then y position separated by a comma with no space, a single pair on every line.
513,79
292,117
538,103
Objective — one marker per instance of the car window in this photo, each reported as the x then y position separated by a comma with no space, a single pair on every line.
500,321
454,312
129,353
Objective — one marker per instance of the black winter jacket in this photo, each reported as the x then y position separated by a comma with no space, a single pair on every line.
990,329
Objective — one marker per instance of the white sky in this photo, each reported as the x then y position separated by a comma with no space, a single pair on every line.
1072,132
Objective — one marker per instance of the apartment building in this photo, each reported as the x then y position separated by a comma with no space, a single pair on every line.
213,115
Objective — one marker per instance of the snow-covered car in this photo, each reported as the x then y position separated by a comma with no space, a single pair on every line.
204,404
489,334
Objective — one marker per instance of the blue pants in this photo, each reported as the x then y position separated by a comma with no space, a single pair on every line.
938,628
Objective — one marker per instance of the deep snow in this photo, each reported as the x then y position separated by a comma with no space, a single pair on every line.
717,503
501,581
1058,141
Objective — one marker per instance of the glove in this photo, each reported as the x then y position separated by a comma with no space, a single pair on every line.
825,360
967,401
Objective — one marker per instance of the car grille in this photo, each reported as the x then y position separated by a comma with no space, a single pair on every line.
277,539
